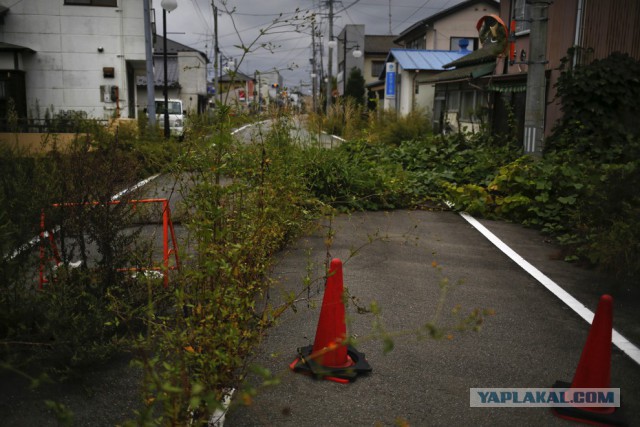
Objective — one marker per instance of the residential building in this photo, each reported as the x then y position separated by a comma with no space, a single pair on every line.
412,69
444,30
429,45
596,27
186,75
376,51
236,89
70,55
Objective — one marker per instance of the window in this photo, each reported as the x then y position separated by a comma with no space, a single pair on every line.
112,3
472,43
376,68
468,105
174,107
522,12
453,101
416,43
472,106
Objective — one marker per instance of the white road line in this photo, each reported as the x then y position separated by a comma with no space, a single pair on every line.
621,342
248,125
135,187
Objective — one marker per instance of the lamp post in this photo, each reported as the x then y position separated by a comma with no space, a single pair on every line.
357,53
167,6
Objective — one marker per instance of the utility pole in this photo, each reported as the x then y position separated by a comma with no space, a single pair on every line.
314,76
330,59
216,83
536,80
389,17
148,48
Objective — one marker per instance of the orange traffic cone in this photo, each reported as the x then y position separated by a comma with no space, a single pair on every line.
594,369
329,357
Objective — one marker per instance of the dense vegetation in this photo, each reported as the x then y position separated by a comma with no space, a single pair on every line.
244,202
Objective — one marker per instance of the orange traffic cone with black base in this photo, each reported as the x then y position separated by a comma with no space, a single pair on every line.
594,370
329,358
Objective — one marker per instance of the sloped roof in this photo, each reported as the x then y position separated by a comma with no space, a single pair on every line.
158,73
418,59
379,44
476,57
464,73
234,77
173,47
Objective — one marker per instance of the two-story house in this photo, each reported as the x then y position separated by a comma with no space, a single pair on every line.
79,55
429,45
445,30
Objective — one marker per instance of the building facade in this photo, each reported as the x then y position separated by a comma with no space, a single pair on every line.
445,30
591,29
70,55
186,76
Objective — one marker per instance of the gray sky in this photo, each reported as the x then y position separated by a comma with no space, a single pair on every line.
194,18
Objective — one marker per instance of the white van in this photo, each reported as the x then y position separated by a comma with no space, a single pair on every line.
176,116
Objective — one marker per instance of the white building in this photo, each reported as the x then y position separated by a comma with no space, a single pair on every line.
186,76
81,55
406,86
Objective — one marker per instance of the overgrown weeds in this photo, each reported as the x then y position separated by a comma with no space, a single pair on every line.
584,190
243,201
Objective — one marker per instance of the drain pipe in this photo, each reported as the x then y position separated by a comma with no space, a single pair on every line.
578,35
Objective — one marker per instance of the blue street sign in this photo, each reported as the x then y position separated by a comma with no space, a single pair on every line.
390,81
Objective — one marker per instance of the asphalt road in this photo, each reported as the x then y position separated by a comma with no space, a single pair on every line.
532,340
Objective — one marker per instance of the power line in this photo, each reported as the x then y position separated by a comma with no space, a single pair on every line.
412,15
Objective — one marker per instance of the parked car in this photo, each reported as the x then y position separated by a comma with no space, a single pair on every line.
176,116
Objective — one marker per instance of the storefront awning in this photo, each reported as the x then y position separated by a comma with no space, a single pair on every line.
507,88
463,73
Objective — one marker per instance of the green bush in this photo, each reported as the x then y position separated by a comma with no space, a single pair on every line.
584,189
388,127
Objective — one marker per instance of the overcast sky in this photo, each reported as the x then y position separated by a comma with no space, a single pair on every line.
192,24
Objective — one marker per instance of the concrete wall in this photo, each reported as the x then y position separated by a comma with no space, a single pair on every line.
193,78
355,36
33,143
66,70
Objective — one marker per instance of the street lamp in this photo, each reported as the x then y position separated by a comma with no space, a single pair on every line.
357,53
167,6
332,43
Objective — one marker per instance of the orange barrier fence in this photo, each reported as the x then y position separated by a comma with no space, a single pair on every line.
167,231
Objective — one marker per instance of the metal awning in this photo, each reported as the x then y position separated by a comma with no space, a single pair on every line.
8,47
463,73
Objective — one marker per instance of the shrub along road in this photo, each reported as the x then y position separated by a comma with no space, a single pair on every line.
532,339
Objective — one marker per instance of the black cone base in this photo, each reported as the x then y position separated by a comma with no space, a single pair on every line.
305,364
616,418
